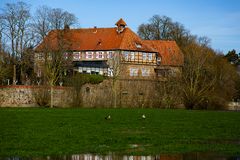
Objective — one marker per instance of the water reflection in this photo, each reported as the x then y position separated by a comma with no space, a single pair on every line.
191,156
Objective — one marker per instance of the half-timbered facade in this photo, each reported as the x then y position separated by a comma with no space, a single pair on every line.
93,49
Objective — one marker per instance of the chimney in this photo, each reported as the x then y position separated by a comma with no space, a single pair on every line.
95,29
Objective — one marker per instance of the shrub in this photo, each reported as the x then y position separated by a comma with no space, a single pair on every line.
1,99
95,79
42,96
77,81
81,79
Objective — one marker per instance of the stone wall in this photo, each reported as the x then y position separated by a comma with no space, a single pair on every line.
25,96
14,96
130,93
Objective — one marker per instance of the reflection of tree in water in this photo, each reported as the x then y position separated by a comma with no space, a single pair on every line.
188,156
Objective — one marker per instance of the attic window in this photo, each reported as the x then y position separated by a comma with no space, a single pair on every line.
138,45
99,42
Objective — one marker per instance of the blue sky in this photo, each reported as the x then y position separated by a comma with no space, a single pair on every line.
217,19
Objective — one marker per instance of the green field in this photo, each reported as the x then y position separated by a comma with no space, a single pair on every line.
41,131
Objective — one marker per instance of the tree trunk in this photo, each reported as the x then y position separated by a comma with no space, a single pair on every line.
115,98
22,81
14,74
114,94
51,103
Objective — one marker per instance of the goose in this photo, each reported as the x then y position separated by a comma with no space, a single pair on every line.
108,117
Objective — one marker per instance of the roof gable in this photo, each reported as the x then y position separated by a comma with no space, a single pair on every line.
169,52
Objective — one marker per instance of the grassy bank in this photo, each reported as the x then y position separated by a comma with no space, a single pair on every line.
34,131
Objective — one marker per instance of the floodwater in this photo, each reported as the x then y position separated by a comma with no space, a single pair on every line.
188,156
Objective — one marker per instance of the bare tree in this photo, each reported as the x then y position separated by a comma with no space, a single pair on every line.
16,21
1,32
47,19
41,24
160,27
115,70
168,89
163,28
17,17
198,79
57,59
22,33
5,67
59,18
145,31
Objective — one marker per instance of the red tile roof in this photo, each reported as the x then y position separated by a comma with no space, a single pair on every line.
96,39
168,50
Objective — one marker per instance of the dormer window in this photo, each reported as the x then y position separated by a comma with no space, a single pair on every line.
138,45
99,42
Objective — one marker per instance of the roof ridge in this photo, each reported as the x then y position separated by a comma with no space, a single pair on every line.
94,28
160,40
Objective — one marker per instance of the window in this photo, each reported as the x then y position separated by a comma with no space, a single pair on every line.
132,56
125,54
145,72
144,56
39,73
100,55
110,54
110,72
80,69
66,55
138,45
150,57
88,70
39,56
89,55
133,72
76,56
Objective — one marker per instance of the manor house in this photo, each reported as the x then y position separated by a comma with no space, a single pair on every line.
111,51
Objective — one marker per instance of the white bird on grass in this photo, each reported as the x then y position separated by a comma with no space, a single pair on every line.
108,117
143,116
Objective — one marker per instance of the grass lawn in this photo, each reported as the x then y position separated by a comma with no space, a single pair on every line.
41,131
